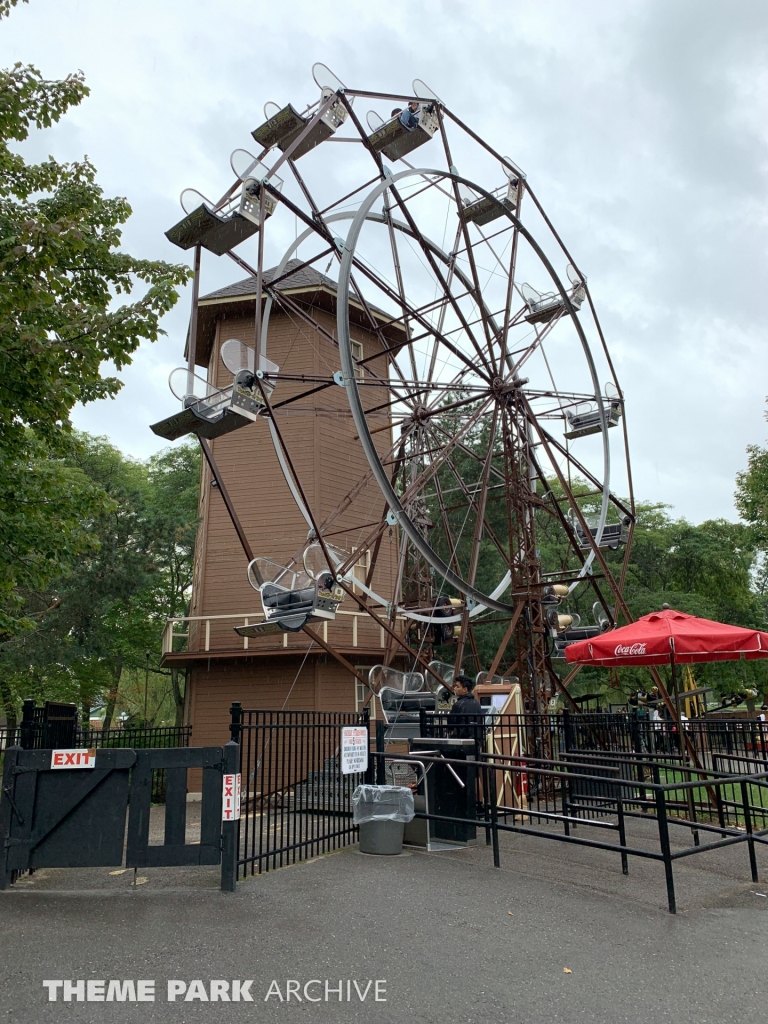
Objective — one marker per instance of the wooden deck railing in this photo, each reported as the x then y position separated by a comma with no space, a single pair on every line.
180,628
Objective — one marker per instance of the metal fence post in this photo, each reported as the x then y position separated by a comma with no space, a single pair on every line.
692,815
666,852
567,730
6,810
634,731
565,784
748,827
380,765
622,833
230,829
490,788
370,769
27,730
485,804
236,713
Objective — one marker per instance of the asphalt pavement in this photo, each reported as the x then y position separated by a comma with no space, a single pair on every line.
556,936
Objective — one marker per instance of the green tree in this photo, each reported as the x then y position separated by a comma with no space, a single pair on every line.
108,611
751,500
172,521
45,506
61,278
716,569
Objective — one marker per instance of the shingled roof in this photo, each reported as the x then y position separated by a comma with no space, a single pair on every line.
307,277
306,286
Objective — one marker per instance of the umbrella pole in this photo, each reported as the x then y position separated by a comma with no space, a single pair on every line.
680,739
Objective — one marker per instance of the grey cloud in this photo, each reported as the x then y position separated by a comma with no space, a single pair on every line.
641,125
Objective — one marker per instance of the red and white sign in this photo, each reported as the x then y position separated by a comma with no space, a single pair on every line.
521,783
230,797
73,758
354,749
632,651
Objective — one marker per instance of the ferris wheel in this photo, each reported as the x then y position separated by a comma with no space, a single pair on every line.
468,359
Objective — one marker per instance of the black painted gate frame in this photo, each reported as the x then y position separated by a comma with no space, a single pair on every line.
76,817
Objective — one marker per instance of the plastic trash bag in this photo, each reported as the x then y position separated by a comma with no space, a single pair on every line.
382,803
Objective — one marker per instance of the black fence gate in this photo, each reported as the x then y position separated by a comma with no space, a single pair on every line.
296,801
73,817
67,808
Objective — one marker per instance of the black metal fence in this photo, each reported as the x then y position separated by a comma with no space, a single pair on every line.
618,747
141,739
296,803
138,738
539,735
584,799
631,733
563,777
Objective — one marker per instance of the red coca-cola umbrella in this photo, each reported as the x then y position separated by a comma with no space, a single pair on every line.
669,636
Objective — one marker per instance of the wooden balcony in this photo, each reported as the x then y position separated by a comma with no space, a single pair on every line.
196,637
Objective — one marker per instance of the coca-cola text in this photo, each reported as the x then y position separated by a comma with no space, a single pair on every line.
635,649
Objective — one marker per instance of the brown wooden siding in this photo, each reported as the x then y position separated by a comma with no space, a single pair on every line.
329,462
320,437
290,683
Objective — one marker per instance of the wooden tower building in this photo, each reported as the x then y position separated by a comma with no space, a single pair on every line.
282,670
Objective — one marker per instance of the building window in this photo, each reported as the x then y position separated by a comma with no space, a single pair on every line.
357,355
362,692
361,568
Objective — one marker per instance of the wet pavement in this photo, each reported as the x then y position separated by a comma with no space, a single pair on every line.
557,935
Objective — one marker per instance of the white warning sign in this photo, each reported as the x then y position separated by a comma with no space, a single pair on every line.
354,749
230,797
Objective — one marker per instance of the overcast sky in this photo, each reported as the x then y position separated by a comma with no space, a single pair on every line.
641,124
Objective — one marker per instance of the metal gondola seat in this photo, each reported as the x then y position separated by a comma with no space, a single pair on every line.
583,422
584,419
445,607
544,306
567,628
275,598
484,210
394,140
402,696
292,597
310,600
284,125
218,411
571,636
396,702
613,534
221,229
218,231
402,711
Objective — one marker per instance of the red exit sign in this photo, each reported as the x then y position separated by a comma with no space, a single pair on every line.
73,758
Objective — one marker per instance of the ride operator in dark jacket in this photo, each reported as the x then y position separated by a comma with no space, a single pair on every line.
466,712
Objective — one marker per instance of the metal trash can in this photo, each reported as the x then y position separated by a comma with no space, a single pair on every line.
384,838
381,812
